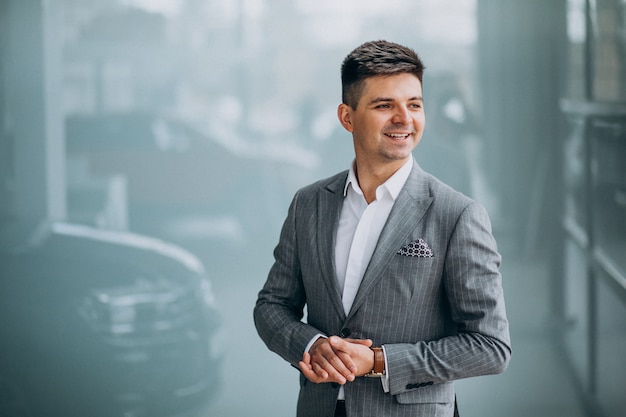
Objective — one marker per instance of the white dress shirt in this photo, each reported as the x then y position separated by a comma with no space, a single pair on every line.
360,225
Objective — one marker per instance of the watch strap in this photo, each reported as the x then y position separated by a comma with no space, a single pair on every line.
379,363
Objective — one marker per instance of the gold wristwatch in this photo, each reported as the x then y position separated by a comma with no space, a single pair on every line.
379,363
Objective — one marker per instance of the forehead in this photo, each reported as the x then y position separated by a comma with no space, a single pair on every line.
394,86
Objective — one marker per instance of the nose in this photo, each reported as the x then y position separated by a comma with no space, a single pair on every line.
401,115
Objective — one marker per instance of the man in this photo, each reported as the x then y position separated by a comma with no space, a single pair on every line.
398,272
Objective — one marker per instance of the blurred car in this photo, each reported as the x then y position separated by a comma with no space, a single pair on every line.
103,323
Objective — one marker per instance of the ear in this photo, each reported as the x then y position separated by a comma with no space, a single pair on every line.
344,113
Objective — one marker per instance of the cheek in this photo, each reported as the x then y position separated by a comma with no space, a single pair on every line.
369,126
420,122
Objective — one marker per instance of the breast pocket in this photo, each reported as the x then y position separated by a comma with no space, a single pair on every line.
414,274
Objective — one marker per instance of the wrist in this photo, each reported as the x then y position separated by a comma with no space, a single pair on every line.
313,346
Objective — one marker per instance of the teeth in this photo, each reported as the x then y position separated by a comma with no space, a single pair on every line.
396,135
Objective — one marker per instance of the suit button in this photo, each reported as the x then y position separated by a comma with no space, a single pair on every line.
334,385
345,332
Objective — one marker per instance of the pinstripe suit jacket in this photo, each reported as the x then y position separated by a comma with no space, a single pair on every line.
440,318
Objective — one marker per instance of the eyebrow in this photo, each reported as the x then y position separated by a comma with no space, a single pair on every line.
387,100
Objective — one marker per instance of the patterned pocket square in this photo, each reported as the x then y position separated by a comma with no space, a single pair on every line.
417,248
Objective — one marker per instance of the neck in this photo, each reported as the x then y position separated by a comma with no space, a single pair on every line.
371,176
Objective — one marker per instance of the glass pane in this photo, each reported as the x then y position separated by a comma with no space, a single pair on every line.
611,346
576,31
609,190
609,51
576,335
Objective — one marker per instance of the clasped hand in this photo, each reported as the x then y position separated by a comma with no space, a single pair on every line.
337,360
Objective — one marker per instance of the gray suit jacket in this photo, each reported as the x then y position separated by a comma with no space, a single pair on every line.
440,315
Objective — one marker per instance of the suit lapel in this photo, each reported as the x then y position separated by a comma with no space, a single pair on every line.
407,212
329,209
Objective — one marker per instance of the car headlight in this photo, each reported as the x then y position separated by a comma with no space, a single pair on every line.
145,306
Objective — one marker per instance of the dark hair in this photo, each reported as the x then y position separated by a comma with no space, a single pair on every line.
373,59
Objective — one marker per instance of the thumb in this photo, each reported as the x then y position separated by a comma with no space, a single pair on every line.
364,342
345,345
336,342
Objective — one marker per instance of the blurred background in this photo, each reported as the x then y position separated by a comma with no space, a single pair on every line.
149,150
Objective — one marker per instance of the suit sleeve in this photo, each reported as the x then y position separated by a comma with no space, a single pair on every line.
280,304
473,289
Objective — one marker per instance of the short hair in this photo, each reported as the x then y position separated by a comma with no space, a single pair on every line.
375,58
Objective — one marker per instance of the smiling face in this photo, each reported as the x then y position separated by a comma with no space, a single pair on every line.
388,121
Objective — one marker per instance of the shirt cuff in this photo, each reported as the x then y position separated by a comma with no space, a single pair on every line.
317,336
385,378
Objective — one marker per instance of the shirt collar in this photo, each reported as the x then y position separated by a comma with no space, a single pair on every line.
393,185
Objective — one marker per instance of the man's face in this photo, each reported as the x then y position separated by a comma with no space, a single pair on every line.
389,119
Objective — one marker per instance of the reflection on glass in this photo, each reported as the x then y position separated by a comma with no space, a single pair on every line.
609,191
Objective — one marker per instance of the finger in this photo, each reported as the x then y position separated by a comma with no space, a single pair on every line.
320,369
348,363
308,372
350,350
314,377
340,361
306,366
333,370
319,366
355,353
326,363
318,374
